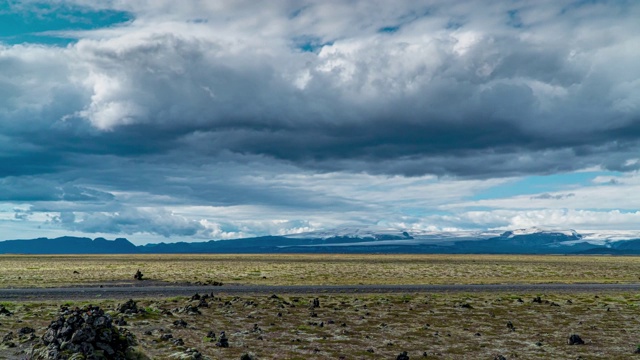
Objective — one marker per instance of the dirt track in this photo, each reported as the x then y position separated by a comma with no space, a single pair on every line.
153,290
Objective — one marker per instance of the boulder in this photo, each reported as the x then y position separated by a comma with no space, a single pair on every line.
86,332
223,342
129,307
138,275
4,311
575,339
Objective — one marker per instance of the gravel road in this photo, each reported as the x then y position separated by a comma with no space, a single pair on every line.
169,290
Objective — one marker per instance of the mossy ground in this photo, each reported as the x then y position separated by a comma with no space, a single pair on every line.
444,326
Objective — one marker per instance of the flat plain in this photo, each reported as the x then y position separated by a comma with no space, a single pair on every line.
53,271
455,325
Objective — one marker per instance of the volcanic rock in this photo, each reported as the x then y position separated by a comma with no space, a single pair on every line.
223,341
138,275
86,332
575,339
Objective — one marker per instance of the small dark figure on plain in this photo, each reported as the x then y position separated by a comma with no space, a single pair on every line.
138,275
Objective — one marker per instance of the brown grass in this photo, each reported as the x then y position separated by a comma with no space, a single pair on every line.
48,271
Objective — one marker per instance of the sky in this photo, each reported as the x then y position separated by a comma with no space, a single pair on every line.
163,120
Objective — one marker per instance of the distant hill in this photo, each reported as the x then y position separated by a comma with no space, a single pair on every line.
524,241
68,245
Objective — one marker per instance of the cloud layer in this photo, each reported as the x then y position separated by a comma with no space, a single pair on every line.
234,104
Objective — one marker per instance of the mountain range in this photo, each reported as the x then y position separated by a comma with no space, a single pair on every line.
358,240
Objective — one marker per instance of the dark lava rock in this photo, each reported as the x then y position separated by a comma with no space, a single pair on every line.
180,323
26,330
4,311
86,331
8,337
211,335
120,321
537,300
223,341
575,339
129,307
138,275
499,357
403,356
510,326
189,309
195,354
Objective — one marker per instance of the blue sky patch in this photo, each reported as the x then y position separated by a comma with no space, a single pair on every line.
389,29
310,44
43,23
530,185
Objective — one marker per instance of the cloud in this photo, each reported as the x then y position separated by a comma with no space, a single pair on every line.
432,96
152,221
233,104
551,218
547,196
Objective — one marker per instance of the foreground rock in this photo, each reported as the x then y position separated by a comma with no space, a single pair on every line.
130,307
85,333
575,340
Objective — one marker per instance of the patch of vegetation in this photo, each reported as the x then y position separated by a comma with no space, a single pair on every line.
57,270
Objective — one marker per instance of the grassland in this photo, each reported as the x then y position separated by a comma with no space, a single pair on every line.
451,326
350,326
52,271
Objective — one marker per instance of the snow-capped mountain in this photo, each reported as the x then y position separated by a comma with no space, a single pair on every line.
372,232
534,240
381,233
365,240
541,231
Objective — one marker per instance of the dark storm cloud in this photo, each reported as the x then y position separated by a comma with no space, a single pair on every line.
452,94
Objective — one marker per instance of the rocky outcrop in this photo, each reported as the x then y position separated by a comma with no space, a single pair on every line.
85,333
